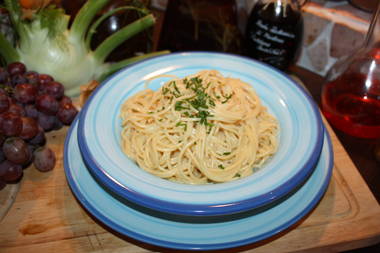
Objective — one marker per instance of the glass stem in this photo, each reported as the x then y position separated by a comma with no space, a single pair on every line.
373,33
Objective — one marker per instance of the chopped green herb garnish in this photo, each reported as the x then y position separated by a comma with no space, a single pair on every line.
203,117
226,153
210,125
200,101
182,124
179,106
227,98
220,166
175,87
165,90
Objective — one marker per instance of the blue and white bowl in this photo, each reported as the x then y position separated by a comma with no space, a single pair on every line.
300,138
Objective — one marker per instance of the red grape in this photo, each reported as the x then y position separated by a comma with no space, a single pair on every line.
29,128
4,102
25,93
47,104
11,124
16,68
16,109
44,159
67,113
47,122
11,172
32,77
39,139
65,100
17,79
31,149
31,111
16,151
53,88
45,78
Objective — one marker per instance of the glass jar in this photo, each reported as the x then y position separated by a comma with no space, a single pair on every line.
274,32
351,94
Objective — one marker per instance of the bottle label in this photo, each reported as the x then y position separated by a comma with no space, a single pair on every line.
271,40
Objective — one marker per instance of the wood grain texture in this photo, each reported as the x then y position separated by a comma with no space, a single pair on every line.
46,217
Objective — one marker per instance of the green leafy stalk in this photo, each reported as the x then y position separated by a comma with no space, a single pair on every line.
95,25
109,44
85,16
7,50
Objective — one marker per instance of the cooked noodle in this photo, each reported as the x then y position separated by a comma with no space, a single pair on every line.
204,128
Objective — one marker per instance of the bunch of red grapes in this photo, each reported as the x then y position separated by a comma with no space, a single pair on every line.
31,104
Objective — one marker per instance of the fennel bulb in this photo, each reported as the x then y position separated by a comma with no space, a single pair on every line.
48,45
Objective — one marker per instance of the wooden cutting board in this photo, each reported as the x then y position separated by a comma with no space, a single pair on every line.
46,217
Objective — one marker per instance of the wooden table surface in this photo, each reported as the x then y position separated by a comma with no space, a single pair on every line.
46,217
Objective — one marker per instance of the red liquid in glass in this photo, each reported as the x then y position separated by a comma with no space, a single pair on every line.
351,103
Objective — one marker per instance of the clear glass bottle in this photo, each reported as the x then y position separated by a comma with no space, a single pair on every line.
274,32
351,94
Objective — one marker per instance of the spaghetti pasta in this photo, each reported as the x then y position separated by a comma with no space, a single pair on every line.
204,128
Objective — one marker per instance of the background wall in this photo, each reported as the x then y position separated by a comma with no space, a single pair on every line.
332,30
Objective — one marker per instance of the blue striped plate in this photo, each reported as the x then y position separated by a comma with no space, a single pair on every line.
301,138
192,232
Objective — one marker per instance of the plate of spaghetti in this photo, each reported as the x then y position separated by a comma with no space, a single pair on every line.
190,232
200,134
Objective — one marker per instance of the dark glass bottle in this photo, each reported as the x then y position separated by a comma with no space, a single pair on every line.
201,25
274,32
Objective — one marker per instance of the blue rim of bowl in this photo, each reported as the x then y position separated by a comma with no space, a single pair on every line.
184,246
202,209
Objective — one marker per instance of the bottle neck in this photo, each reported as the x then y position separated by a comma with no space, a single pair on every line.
373,33
294,4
